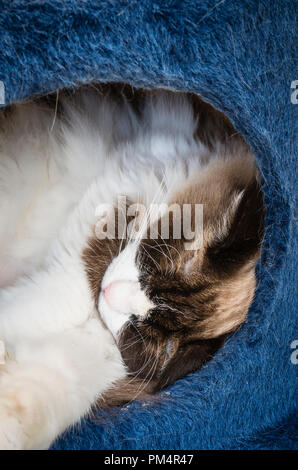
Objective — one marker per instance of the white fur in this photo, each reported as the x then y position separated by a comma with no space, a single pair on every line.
53,176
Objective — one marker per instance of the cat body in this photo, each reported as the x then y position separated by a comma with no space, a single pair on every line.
73,305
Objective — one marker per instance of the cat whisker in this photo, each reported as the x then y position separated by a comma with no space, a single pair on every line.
154,261
158,250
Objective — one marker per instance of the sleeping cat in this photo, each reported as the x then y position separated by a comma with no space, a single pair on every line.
86,318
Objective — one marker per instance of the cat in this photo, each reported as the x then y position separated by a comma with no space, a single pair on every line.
87,319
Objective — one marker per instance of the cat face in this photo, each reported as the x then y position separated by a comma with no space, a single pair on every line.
169,308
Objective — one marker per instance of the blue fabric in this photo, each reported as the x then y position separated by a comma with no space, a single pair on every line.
240,57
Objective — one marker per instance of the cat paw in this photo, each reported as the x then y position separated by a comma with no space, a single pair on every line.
11,432
18,423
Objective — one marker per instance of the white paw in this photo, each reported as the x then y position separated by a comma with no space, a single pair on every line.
20,420
12,435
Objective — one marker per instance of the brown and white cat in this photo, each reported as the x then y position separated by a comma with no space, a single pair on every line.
87,318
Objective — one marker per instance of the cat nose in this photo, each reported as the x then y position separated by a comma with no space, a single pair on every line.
119,295
126,297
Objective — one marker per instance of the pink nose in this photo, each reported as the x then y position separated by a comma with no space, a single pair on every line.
118,295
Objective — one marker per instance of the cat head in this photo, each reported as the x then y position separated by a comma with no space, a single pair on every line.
170,308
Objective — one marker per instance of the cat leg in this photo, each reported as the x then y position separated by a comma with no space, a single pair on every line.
50,384
58,296
60,357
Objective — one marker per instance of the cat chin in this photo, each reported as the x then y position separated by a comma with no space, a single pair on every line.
113,320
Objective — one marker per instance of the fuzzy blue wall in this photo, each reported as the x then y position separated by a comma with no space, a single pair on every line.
240,57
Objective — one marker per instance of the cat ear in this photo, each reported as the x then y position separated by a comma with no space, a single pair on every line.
188,358
243,230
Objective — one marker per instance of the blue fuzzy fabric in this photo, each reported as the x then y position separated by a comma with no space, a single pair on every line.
240,57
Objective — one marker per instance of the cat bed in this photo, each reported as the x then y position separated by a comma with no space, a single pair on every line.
239,56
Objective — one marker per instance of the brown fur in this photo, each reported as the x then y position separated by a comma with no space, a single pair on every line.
200,296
